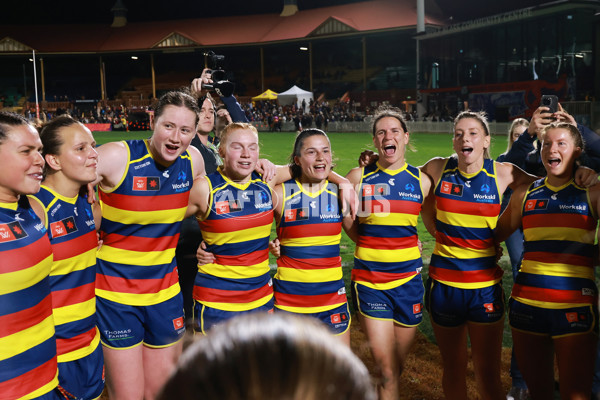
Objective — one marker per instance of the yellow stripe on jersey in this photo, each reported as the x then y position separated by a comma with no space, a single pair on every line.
239,306
386,285
82,352
471,221
21,341
25,278
74,312
390,219
72,264
570,234
312,241
309,275
472,285
144,299
114,255
391,255
235,271
149,217
244,235
43,390
307,310
550,305
462,252
555,269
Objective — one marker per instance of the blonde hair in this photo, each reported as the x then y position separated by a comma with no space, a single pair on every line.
261,356
235,126
515,124
481,117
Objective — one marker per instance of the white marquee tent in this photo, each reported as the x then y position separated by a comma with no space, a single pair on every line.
294,95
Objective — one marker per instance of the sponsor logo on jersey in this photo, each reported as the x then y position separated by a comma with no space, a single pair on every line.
228,206
572,317
297,214
450,188
541,204
376,190
489,307
146,183
11,231
338,318
178,323
63,227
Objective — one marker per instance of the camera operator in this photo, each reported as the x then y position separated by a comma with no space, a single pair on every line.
190,236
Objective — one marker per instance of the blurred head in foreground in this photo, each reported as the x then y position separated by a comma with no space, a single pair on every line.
269,357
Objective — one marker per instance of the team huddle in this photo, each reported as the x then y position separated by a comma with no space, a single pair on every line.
91,285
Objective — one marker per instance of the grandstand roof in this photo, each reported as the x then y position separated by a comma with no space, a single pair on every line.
367,16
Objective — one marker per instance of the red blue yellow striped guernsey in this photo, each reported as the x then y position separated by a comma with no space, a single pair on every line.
387,253
468,206
309,271
141,221
28,365
72,232
559,228
236,230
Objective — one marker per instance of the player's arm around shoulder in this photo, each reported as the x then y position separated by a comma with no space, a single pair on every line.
511,218
112,162
509,175
197,162
434,168
199,198
428,206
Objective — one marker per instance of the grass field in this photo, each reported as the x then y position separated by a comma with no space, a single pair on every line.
277,146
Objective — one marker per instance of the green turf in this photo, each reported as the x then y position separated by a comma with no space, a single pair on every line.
277,146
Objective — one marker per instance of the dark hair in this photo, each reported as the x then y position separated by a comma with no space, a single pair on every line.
261,356
179,98
10,119
387,111
481,117
300,138
51,139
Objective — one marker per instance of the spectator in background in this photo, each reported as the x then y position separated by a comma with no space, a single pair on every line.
272,357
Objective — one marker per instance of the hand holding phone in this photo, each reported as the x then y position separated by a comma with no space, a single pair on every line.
550,101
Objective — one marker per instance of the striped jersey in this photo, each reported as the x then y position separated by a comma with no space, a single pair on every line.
387,253
72,233
467,209
236,229
309,270
559,227
28,365
141,222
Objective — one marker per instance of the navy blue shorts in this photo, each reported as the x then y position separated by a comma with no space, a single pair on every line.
402,304
336,319
123,326
206,317
552,322
83,378
450,306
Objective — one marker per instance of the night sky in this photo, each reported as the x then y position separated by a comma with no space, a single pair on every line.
77,11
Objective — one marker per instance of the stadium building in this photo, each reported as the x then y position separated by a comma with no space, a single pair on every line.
500,59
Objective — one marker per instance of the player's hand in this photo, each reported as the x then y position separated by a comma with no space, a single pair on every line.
367,157
203,256
91,193
586,177
540,118
349,199
266,168
196,87
275,248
